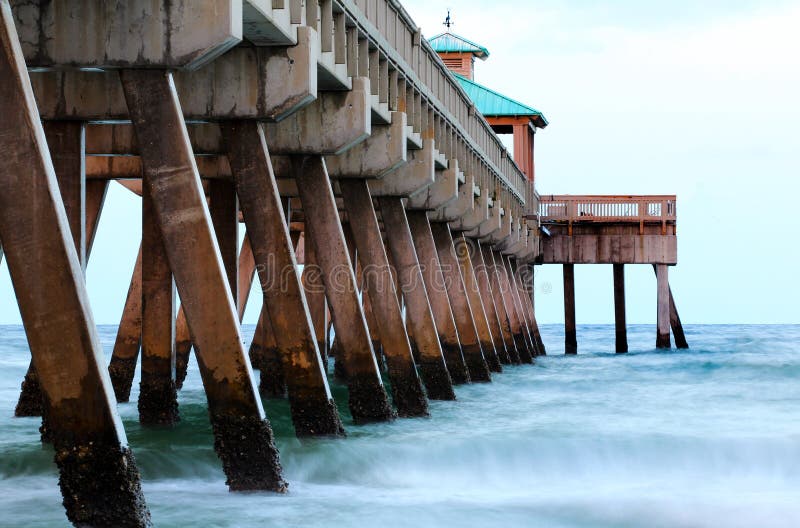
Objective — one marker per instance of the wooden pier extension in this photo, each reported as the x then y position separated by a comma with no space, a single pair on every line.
615,230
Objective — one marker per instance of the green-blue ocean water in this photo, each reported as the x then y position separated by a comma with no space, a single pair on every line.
708,437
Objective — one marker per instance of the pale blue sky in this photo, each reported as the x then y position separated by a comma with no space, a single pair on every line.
693,98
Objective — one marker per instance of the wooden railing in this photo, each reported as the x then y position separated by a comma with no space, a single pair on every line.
598,208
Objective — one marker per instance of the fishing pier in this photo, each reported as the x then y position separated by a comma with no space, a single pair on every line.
338,139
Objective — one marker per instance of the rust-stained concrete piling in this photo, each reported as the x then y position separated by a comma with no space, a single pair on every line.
313,410
434,283
243,437
418,309
158,395
471,345
367,397
407,392
98,474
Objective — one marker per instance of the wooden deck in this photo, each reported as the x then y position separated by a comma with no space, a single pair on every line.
614,229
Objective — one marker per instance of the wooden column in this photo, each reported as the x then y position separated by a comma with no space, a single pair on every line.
459,301
675,323
433,281
501,304
418,308
619,308
662,317
98,476
570,334
675,320
158,396
464,250
407,393
243,436
122,367
368,400
313,409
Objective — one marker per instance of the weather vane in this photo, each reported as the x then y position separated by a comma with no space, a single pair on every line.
447,21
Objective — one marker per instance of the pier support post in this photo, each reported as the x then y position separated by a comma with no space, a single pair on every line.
434,283
515,321
407,393
528,280
243,436
662,317
485,291
265,357
312,406
314,291
525,290
516,301
675,319
66,143
122,367
570,333
675,323
459,301
418,309
158,395
464,250
367,397
99,479
501,303
619,308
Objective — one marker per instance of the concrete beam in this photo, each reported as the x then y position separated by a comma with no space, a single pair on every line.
126,33
462,205
381,153
246,83
333,123
472,219
415,175
443,192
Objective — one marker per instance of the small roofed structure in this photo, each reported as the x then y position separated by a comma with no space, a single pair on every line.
504,114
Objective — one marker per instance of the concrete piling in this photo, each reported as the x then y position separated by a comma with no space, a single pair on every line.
570,334
471,345
243,436
432,365
367,397
434,283
313,410
407,393
99,478
662,300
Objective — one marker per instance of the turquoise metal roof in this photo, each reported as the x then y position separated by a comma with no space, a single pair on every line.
451,43
490,103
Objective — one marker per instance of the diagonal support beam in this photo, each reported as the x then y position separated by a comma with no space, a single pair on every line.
243,436
407,393
507,325
98,475
485,289
418,308
368,400
437,295
313,409
463,252
471,345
